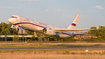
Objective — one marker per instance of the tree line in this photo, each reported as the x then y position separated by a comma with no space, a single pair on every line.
5,29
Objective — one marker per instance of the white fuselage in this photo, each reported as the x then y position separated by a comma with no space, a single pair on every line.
25,23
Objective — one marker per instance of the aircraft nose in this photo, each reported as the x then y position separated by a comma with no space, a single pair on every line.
10,20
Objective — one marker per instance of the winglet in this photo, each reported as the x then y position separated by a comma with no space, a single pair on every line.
74,23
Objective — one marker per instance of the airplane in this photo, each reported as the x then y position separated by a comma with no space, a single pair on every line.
19,23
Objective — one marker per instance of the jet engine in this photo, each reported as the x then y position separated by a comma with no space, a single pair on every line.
22,31
48,31
19,30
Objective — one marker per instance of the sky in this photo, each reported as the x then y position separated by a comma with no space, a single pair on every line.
57,13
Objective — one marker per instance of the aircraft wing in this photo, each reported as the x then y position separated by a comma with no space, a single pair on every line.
71,30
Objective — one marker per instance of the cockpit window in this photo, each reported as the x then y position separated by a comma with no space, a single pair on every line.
13,17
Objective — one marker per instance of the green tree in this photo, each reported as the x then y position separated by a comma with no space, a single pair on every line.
98,32
102,31
15,38
3,25
5,32
94,32
29,40
12,30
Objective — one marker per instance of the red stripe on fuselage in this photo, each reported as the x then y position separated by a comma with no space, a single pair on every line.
31,24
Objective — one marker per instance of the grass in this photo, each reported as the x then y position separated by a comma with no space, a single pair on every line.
34,46
59,51
50,46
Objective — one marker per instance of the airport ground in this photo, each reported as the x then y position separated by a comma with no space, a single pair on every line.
53,54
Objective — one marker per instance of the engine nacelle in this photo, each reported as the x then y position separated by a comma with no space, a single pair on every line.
22,31
48,31
19,31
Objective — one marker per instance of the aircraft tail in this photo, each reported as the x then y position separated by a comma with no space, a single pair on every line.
74,23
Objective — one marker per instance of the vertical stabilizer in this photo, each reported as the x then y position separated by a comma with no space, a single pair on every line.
74,24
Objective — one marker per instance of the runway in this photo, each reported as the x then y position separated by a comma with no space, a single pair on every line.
32,49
